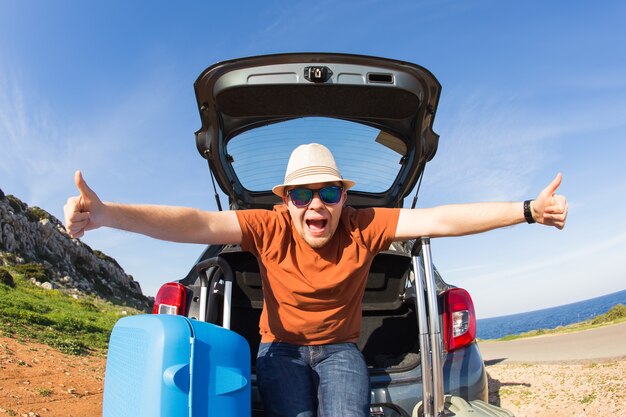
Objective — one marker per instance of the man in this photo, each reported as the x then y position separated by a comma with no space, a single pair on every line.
314,255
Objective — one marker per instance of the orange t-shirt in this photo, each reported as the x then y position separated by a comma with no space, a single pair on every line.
313,296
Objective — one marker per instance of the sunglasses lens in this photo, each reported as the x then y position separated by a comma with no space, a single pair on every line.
301,196
330,195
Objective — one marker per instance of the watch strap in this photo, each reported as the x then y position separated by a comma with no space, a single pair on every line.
528,215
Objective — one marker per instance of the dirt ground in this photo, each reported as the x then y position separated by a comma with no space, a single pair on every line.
36,380
572,389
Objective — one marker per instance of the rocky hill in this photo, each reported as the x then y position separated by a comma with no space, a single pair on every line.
36,240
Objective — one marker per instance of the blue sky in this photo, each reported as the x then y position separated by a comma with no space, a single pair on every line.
529,89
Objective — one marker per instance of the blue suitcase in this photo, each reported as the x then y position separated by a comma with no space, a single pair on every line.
164,365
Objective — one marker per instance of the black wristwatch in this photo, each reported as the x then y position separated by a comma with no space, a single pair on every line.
528,215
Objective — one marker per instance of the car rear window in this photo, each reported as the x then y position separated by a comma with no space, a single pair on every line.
364,154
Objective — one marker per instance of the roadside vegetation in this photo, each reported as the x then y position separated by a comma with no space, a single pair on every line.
76,326
617,314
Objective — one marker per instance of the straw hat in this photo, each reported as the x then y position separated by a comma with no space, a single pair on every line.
310,164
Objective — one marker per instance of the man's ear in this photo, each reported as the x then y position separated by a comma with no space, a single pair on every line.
284,199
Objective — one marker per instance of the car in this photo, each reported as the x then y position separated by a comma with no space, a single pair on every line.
376,115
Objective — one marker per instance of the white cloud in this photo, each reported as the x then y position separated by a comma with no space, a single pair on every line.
42,147
33,147
488,150
525,270
499,148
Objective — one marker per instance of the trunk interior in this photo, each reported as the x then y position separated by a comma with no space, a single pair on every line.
389,334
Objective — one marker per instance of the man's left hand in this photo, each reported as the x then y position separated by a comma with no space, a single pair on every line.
549,208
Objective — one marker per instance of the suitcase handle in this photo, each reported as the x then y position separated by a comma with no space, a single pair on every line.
429,329
204,269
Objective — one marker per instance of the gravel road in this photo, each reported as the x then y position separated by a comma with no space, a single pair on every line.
599,343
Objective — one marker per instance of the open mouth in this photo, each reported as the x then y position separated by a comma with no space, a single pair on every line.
317,226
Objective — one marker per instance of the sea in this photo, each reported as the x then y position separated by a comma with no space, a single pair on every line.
548,318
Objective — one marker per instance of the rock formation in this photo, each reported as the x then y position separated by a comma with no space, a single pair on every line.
32,235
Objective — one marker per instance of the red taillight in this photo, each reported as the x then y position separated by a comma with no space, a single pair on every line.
459,319
171,299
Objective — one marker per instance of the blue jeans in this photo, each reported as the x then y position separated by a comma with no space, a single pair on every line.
308,381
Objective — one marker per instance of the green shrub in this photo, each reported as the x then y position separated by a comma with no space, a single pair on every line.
87,305
30,317
33,270
45,392
617,312
8,258
36,214
70,346
6,278
73,324
105,257
16,204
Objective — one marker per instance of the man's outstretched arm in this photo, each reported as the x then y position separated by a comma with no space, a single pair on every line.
548,209
177,224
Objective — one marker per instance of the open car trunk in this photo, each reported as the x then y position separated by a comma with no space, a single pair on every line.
389,333
374,114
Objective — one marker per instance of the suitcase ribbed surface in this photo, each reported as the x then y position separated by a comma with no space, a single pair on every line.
125,365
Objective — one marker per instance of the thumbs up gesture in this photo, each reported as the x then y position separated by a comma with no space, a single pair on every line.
548,208
83,211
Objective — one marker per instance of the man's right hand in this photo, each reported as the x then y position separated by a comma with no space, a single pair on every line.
82,212
172,223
